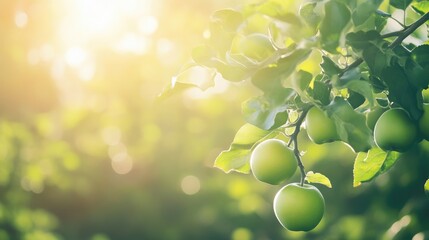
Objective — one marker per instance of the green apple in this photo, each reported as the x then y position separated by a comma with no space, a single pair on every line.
299,208
272,161
320,128
424,122
395,130
425,94
373,115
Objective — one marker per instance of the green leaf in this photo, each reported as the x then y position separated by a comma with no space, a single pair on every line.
361,40
237,157
329,67
391,159
190,76
351,80
417,75
320,92
351,125
421,7
376,59
221,33
417,67
367,165
420,55
401,91
255,47
377,85
198,76
349,76
268,111
401,4
299,81
170,90
364,10
364,88
379,22
233,73
312,177
270,79
234,159
204,55
309,14
248,135
276,9
337,16
229,19
355,99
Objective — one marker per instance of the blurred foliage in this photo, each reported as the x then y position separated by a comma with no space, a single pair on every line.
86,153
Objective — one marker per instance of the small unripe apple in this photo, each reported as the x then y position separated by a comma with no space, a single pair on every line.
272,161
299,208
425,94
320,128
373,115
395,130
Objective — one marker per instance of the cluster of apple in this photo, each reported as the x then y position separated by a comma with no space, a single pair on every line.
297,207
300,207
394,130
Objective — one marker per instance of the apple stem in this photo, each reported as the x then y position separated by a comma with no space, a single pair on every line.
294,140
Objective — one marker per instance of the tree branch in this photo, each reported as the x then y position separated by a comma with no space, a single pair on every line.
401,35
410,29
294,140
392,34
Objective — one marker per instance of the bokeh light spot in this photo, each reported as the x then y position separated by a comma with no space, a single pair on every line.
190,185
419,236
87,72
111,135
33,57
122,164
238,188
75,56
21,19
132,43
241,234
148,25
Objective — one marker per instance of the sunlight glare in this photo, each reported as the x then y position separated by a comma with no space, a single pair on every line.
86,72
131,43
21,19
96,16
75,56
46,52
164,51
33,57
148,25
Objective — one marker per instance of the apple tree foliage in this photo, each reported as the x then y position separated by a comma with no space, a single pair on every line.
346,57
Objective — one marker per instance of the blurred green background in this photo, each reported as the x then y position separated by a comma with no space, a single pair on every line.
87,153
